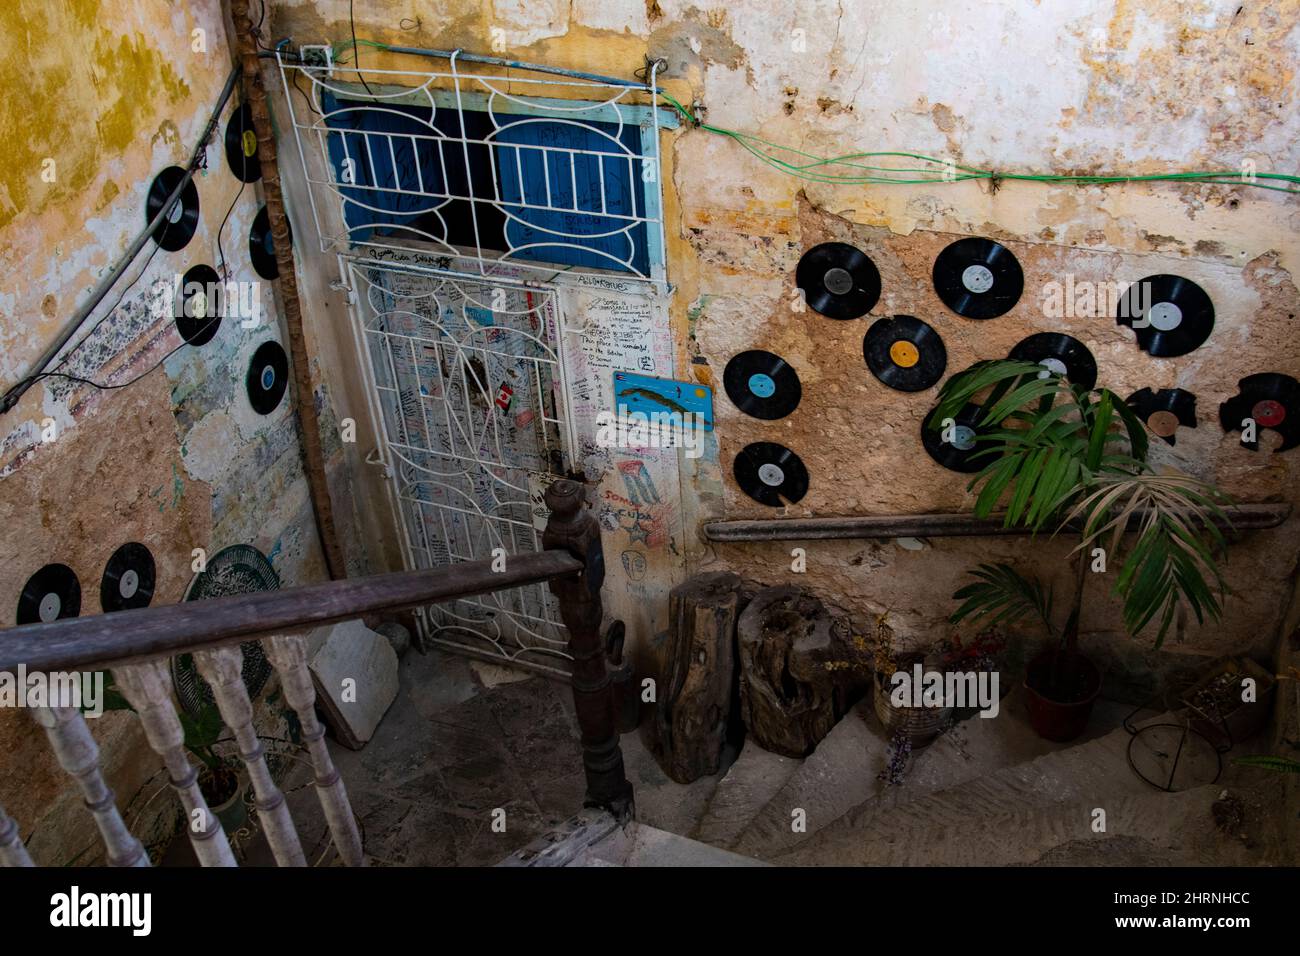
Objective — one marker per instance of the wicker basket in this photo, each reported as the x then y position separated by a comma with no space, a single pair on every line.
921,724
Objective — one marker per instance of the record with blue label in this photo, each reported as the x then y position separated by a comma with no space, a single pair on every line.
268,377
956,446
261,246
978,278
1059,354
771,474
762,384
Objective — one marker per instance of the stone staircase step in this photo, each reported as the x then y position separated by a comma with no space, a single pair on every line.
1146,828
840,774
753,780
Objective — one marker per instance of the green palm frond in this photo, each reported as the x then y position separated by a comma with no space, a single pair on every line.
1172,558
1002,595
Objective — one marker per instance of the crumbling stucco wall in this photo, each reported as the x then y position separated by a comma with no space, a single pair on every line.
1069,86
99,96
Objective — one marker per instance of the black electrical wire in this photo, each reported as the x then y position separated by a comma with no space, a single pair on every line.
356,50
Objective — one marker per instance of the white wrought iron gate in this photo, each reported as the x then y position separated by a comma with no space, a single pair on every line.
470,402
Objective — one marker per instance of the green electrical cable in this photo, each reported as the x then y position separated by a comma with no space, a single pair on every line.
945,172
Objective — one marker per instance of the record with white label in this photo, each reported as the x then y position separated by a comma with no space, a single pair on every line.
52,593
771,474
198,313
128,579
1170,315
1058,353
838,280
978,278
762,384
178,227
955,446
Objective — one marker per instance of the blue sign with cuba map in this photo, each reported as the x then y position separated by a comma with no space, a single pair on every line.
651,396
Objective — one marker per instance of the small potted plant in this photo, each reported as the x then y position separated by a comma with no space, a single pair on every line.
1063,455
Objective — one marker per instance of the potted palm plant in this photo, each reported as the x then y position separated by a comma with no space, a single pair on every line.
1063,455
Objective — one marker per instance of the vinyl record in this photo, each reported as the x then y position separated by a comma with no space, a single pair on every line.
838,280
1059,353
1170,315
762,384
128,579
51,593
176,231
241,145
1272,400
268,377
960,453
904,353
978,278
771,474
261,248
1164,411
199,311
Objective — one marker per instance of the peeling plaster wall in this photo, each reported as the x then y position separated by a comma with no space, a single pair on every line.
114,92
1070,86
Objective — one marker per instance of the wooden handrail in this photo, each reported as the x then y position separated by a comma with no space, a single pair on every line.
84,643
1249,517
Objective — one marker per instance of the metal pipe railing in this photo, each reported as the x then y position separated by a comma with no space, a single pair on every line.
1252,517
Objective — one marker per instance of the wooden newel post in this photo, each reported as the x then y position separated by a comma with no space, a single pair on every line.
573,528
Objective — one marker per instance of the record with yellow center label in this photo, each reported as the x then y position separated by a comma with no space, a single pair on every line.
904,353
241,146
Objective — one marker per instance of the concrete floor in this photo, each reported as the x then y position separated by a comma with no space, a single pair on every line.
466,741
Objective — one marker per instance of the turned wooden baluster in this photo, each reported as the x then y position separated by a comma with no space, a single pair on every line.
78,754
222,667
12,851
288,652
148,689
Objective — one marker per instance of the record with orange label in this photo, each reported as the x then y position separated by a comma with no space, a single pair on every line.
904,353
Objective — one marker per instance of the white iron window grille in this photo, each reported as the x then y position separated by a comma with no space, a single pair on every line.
471,405
510,169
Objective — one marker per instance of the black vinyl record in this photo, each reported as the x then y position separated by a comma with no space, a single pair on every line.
838,280
268,377
904,353
198,314
50,594
978,278
176,231
1170,315
261,248
771,474
1164,411
959,453
1272,400
128,580
1059,353
241,145
762,384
